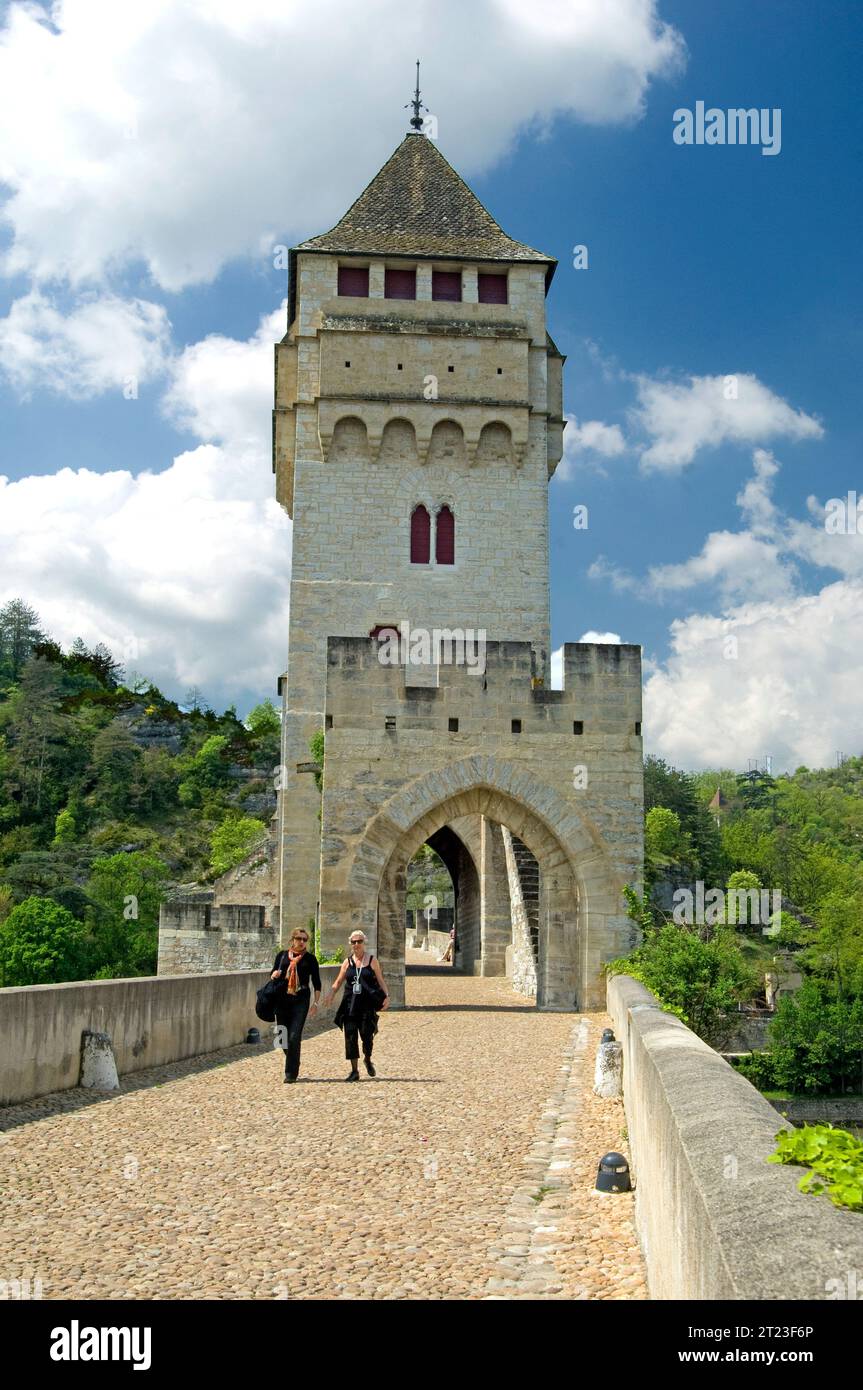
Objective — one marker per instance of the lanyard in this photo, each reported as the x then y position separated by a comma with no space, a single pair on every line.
358,989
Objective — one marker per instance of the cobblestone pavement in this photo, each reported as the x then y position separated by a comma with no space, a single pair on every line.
463,1170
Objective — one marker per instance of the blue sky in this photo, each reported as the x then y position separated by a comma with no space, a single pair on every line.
703,262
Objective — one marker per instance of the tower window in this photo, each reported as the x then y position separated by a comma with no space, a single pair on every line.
400,367
516,726
578,726
492,289
390,723
500,371
420,536
446,284
354,281
445,537
400,284
453,726
638,727
347,364
328,721
450,369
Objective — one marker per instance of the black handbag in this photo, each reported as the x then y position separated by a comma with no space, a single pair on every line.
267,998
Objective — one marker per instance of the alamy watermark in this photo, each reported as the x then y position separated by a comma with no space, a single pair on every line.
442,646
843,516
713,907
737,126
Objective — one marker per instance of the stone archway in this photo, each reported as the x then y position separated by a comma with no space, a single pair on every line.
581,917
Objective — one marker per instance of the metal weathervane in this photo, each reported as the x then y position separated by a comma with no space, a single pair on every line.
416,104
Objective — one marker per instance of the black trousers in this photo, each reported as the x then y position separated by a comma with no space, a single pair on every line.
291,1013
366,1025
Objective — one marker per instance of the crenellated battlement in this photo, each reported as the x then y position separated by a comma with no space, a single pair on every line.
486,688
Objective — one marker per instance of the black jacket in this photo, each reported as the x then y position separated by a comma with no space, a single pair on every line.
307,969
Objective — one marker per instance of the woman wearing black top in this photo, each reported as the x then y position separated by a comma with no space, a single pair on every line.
296,966
358,1011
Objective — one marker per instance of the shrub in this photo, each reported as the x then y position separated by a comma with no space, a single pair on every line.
699,981
816,1040
232,841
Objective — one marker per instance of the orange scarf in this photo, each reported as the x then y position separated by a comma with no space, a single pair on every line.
293,982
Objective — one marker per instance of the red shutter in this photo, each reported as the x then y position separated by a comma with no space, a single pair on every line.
446,284
445,537
400,284
492,289
420,536
354,281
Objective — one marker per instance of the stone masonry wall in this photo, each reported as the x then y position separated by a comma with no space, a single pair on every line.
391,758
523,964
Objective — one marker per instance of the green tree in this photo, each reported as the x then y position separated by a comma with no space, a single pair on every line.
738,909
41,943
116,756
232,841
701,982
264,719
206,773
37,735
125,892
65,830
665,841
19,634
815,1041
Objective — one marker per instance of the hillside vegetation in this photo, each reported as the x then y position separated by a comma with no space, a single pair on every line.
110,793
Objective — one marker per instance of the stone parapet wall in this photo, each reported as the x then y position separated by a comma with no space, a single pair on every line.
715,1219
150,1020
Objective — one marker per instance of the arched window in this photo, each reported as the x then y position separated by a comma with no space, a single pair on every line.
420,536
445,537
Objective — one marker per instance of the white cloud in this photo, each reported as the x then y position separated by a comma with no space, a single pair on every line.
603,638
183,133
589,437
708,411
223,389
104,343
737,563
777,671
792,690
185,573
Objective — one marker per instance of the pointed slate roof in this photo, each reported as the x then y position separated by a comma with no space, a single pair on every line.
417,205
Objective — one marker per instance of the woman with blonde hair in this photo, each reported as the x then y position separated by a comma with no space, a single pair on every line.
296,966
365,996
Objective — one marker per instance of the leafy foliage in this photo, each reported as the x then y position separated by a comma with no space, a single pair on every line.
40,942
834,1159
109,792
232,841
699,981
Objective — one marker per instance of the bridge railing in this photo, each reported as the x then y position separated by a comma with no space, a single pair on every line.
715,1219
151,1020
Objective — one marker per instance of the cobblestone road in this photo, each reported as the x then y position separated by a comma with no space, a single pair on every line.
464,1170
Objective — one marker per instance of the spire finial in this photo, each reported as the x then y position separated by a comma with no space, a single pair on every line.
416,118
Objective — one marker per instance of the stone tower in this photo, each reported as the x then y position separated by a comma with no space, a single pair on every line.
418,419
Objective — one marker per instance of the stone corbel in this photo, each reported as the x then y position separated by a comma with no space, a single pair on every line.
326,438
